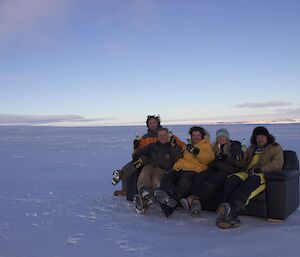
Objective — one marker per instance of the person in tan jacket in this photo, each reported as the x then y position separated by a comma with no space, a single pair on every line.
264,155
176,185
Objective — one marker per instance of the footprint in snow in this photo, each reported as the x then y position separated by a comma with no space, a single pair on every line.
74,239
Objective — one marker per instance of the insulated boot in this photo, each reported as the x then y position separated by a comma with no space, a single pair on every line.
116,177
162,197
196,207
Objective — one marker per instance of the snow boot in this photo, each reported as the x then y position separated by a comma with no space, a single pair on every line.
228,222
196,207
116,177
167,210
184,203
120,193
142,201
139,204
223,210
162,197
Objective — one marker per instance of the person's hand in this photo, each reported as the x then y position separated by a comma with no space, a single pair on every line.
253,171
240,156
192,149
136,143
221,157
138,163
173,141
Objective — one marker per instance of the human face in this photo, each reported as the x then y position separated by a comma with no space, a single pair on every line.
261,140
222,140
163,136
196,137
152,124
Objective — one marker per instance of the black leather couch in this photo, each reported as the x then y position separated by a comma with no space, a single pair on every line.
278,201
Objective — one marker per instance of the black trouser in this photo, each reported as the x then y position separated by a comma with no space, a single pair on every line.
237,190
206,186
126,172
178,184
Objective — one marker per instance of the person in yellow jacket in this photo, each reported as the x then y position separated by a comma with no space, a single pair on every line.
264,155
176,185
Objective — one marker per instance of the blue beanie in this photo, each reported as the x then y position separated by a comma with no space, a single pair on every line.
222,132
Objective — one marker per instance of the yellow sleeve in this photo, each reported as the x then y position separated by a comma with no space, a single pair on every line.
206,154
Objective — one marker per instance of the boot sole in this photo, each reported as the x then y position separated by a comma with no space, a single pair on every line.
162,197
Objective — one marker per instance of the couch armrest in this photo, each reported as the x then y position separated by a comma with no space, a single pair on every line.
281,175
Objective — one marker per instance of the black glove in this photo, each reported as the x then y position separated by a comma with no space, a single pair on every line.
253,171
136,143
221,157
173,141
240,156
138,163
192,149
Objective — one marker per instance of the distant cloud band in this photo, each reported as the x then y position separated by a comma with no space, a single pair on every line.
262,104
9,119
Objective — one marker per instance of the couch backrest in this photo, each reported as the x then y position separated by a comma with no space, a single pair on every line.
291,161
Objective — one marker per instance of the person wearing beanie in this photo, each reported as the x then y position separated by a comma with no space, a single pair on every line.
153,125
263,155
223,132
206,184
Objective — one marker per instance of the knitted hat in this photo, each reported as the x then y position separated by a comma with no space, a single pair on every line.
260,131
222,132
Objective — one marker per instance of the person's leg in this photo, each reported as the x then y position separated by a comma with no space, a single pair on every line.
246,190
165,181
184,185
231,184
126,172
123,174
209,186
157,176
251,187
145,178
169,181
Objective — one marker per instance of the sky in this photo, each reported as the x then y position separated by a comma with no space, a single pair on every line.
113,62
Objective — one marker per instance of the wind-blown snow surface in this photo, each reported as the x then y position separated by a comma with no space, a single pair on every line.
56,200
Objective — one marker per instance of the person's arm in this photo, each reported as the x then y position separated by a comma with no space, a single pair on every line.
206,154
142,153
180,143
176,153
277,161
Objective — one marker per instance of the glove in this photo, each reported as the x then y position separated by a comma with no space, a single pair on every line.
253,171
136,143
138,163
192,149
173,141
240,156
221,157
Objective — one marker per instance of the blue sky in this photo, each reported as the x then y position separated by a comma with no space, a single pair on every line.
109,62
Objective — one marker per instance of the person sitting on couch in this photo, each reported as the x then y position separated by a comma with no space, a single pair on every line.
177,184
263,155
156,160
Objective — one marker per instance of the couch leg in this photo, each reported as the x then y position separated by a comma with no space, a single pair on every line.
275,220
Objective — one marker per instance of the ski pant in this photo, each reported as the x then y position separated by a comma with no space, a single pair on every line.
241,188
150,178
206,186
126,172
178,184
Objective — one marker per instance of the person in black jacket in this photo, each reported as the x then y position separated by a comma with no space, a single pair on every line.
228,154
156,159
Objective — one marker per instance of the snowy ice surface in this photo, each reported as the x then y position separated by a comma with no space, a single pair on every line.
56,201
